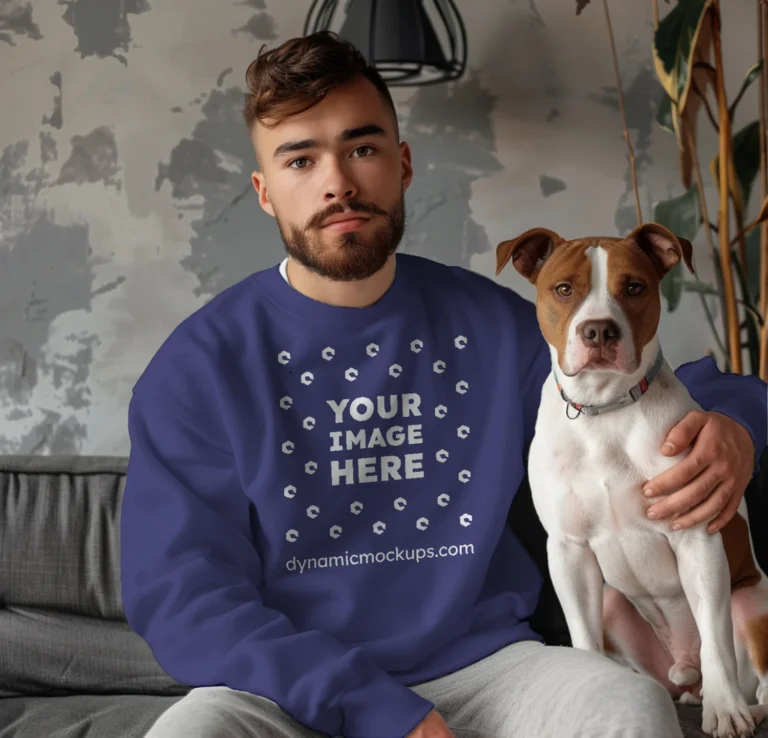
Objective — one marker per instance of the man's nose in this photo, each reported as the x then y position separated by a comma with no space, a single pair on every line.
339,185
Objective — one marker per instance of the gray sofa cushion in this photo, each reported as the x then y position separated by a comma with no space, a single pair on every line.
84,716
62,624
59,528
48,652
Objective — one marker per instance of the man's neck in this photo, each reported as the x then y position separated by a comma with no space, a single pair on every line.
356,294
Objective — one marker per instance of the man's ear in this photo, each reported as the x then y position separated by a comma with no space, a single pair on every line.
257,178
528,252
406,165
664,247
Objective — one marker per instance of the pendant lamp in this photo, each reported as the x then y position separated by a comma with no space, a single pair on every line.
410,42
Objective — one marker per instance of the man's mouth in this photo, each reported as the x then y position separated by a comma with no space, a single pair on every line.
341,218
347,223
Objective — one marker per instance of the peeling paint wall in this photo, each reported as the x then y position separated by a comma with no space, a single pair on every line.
125,195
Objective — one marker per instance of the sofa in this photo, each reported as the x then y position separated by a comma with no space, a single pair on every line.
70,666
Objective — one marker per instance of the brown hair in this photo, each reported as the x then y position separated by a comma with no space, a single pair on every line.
298,74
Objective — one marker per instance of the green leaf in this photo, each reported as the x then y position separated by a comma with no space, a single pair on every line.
672,286
664,113
674,46
746,162
746,157
752,74
682,215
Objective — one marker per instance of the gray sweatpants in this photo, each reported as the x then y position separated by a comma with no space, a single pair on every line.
526,690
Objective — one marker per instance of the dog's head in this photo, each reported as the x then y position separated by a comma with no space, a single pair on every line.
597,299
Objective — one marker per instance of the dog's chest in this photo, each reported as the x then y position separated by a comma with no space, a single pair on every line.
603,489
587,478
588,472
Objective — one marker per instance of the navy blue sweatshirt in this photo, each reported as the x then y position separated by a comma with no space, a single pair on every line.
316,496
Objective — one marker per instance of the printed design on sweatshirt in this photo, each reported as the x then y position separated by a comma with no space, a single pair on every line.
401,458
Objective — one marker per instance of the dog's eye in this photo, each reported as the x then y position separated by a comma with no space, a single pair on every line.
634,289
564,290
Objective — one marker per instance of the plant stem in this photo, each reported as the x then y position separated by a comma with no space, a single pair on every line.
715,256
623,114
744,231
655,5
741,240
708,109
762,40
725,162
708,234
752,322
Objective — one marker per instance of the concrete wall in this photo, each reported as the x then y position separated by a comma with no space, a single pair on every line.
125,199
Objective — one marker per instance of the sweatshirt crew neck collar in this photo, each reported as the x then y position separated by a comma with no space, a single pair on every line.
393,301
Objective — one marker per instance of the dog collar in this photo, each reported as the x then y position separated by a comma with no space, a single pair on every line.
634,394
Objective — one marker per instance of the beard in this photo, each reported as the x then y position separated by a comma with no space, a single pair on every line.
345,257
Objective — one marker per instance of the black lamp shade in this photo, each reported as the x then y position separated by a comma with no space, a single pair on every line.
411,42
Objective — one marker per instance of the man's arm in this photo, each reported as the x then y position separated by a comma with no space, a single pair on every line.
534,366
742,398
726,440
190,575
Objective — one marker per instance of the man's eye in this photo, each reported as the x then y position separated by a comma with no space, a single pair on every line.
300,162
363,148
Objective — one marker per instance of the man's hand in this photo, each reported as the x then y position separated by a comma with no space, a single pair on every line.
432,726
712,479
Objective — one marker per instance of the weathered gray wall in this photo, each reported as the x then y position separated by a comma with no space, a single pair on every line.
125,200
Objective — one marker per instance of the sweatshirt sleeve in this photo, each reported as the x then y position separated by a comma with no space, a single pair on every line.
742,398
190,575
535,366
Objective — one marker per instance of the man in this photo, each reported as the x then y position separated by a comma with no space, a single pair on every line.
323,458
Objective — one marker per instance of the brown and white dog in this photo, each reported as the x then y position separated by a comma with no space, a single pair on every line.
686,607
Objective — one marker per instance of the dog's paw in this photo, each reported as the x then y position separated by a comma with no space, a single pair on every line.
759,713
762,692
689,698
727,716
683,675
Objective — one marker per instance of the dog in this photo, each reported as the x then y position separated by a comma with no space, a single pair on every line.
688,608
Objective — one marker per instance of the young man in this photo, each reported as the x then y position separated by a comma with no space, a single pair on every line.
323,458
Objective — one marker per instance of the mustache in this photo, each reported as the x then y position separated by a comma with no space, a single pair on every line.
316,221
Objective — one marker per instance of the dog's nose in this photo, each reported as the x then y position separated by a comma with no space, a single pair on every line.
600,332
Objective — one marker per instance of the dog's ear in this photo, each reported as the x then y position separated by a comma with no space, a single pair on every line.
664,247
528,252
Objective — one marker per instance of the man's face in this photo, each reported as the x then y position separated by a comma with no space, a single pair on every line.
339,161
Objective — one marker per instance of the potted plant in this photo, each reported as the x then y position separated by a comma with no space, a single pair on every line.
688,60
